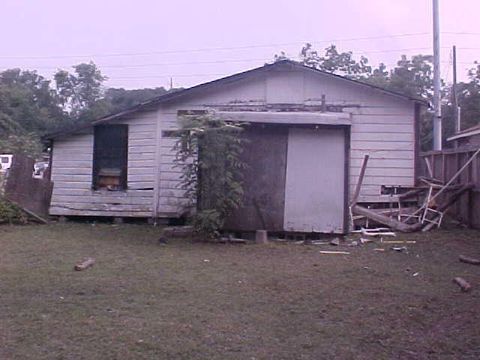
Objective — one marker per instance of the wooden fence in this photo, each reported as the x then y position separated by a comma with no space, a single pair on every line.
443,165
20,187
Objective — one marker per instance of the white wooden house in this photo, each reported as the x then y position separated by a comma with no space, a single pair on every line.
310,131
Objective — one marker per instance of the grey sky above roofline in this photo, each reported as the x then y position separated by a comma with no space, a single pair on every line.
197,41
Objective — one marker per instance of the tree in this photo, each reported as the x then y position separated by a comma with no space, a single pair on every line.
28,109
335,62
412,77
121,99
80,92
27,103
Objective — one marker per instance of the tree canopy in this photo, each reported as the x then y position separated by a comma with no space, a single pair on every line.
32,105
411,76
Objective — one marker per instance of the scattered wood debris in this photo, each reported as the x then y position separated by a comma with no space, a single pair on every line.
464,285
178,231
377,232
232,240
469,260
85,264
366,241
318,242
379,249
334,252
335,242
398,241
423,217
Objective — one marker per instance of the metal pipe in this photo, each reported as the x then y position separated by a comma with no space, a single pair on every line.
437,118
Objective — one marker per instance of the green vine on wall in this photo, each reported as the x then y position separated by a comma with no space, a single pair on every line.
208,152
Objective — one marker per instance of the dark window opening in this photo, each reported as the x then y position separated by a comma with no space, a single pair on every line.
110,157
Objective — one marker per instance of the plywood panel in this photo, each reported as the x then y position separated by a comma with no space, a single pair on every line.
315,183
264,182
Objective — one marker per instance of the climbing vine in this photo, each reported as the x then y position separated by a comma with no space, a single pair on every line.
208,152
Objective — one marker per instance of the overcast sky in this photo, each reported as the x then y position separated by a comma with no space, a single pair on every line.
143,43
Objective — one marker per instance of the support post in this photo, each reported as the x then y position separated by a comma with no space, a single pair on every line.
360,180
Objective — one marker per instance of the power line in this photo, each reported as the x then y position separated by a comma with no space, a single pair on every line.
211,49
460,33
122,66
39,57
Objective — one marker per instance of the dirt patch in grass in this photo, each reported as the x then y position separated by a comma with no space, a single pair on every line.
188,300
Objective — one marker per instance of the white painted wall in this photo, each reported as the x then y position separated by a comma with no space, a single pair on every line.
72,160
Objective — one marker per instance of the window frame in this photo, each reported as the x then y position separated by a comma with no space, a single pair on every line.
101,155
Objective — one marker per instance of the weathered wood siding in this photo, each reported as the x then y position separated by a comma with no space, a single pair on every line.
382,126
72,160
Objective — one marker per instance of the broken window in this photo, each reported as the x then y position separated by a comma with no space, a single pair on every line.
110,157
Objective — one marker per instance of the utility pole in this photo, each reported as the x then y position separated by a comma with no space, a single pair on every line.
456,110
437,118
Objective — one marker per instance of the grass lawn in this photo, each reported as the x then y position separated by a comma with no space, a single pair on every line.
189,300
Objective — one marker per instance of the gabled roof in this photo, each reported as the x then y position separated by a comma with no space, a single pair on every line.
474,130
223,81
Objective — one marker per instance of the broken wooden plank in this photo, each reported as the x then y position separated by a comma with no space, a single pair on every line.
411,193
334,252
429,166
399,241
446,205
469,260
366,241
360,181
28,212
464,285
457,174
391,223
368,232
85,264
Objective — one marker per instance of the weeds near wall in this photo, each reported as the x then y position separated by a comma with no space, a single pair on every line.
11,214
208,152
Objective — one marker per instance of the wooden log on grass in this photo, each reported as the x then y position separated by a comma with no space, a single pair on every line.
469,260
85,264
464,285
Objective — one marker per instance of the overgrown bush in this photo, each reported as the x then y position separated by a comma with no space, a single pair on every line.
208,152
10,213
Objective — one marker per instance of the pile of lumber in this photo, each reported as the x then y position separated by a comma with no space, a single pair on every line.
437,199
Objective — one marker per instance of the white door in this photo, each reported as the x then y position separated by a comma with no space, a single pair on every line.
315,182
